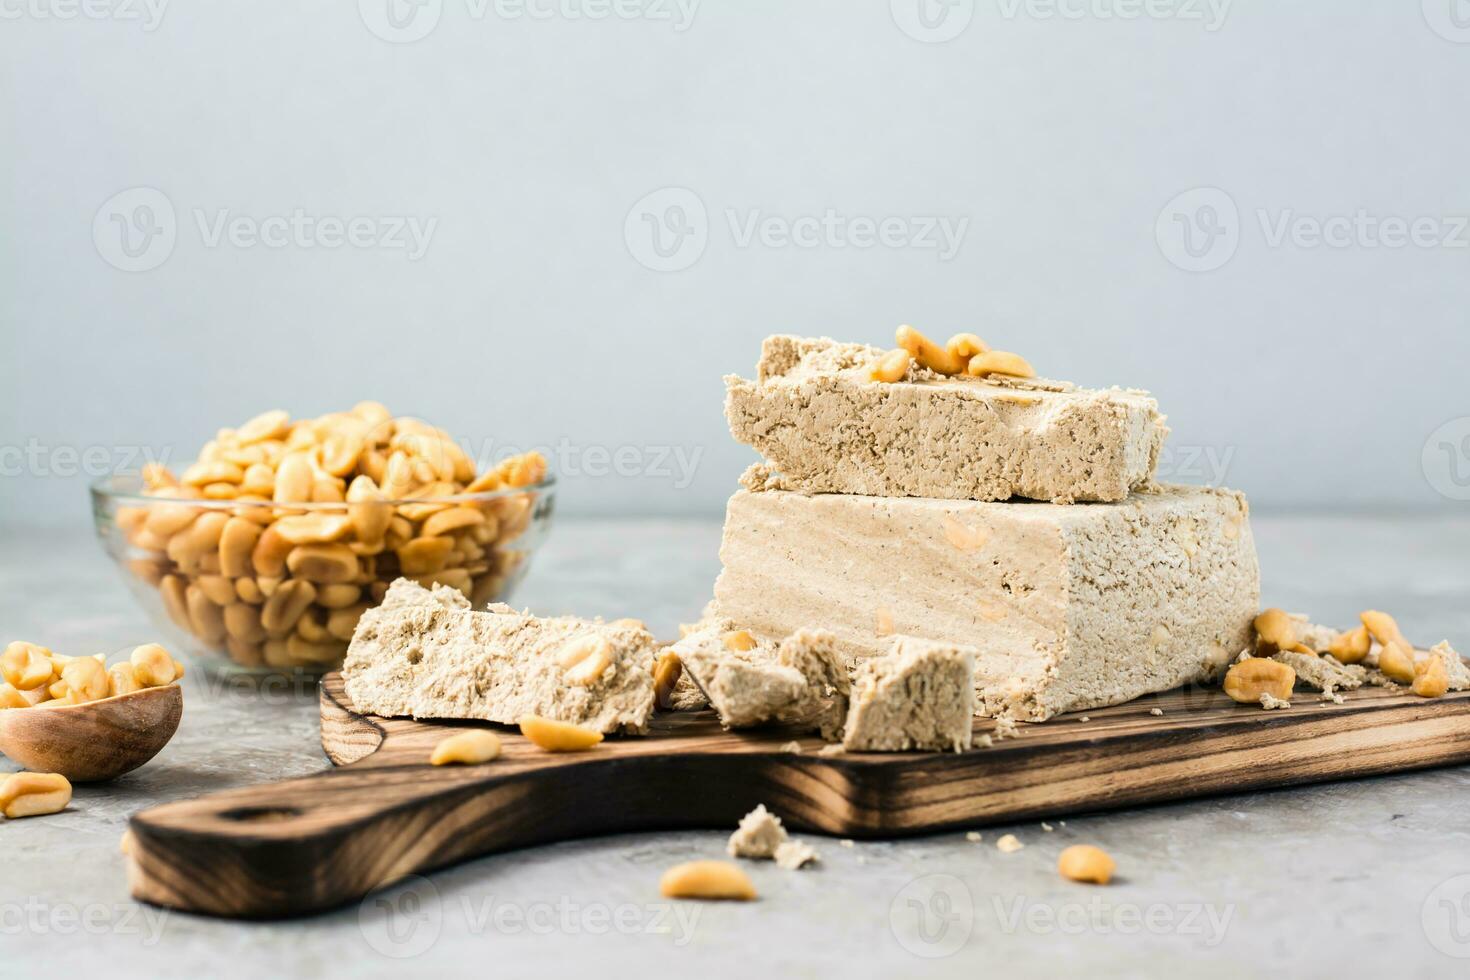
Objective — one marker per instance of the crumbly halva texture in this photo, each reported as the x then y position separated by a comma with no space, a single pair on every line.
825,427
793,854
1323,673
1069,608
1271,702
800,681
1454,667
1311,634
759,835
921,695
423,654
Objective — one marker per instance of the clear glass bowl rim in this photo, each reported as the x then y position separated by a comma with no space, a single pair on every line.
131,494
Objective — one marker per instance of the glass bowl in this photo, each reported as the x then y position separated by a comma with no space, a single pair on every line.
265,588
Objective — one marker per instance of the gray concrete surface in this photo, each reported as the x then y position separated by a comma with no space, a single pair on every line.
1365,877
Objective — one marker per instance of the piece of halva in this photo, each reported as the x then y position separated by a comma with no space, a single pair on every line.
920,695
427,654
1068,607
825,427
759,835
753,681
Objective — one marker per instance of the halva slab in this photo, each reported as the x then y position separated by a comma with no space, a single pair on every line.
825,427
426,654
920,695
1068,607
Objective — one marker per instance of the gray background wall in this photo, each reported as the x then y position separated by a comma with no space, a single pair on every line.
1303,372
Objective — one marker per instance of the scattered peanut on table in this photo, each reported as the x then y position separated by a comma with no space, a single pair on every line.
1246,681
1086,863
710,880
271,546
466,749
33,794
558,736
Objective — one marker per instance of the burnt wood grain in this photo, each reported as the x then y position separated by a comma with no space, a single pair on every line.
306,845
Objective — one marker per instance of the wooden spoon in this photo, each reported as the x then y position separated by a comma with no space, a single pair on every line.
95,740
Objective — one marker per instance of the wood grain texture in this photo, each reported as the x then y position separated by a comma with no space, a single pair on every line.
94,741
306,845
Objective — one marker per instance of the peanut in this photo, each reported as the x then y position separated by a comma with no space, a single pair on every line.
85,680
467,749
11,698
1275,631
424,556
122,679
342,623
267,425
313,528
717,880
294,479
152,665
666,672
205,619
285,606
965,346
1385,629
1350,647
891,367
1083,862
218,589
1246,681
369,515
34,794
558,736
1000,362
323,563
739,641
173,592
449,521
26,666
927,352
1397,663
1431,679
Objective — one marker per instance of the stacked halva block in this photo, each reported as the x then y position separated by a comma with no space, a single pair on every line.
1003,530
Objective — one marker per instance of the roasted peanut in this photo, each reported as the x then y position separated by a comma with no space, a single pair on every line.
1396,662
157,476
717,880
666,672
927,352
122,679
369,515
323,563
26,666
306,653
85,680
891,367
172,590
219,590
739,641
965,346
1246,681
1385,629
294,479
152,665
1275,631
338,596
1083,862
269,555
999,362
11,698
205,620
1350,647
313,528
34,794
1431,679
274,424
558,736
285,606
424,556
342,623
451,520
242,621
466,749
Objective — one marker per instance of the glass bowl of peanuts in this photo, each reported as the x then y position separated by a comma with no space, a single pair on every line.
262,555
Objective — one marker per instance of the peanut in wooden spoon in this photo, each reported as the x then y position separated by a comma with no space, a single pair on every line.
96,740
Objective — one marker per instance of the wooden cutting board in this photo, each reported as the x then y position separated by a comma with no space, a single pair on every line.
305,845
